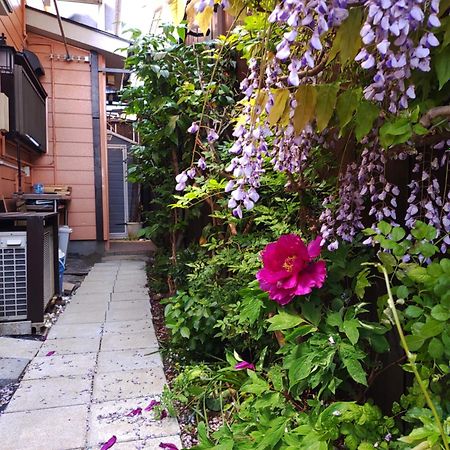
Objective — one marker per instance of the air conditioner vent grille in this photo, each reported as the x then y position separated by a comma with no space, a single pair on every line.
13,282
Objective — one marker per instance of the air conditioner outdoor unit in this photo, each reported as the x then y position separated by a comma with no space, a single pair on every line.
28,267
16,276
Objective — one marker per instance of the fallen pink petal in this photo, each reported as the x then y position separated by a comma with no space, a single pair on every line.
135,412
168,446
289,268
151,405
109,443
244,365
164,414
51,353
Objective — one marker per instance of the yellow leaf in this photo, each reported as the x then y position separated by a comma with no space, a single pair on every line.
191,13
306,97
236,7
280,98
203,19
177,8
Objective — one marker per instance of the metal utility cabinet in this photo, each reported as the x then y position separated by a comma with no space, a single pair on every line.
28,265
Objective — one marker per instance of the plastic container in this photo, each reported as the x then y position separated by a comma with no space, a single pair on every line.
64,234
62,267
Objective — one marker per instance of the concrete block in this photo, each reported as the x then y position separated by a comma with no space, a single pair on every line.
70,346
81,364
18,348
111,418
36,430
130,384
128,341
75,330
15,328
127,360
51,393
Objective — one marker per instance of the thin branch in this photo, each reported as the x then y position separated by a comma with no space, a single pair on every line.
439,111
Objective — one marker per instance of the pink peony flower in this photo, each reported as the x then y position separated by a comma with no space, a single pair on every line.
289,269
244,365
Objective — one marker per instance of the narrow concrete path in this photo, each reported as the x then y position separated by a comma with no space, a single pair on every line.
98,366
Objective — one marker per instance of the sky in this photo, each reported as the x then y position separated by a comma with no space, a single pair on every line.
135,13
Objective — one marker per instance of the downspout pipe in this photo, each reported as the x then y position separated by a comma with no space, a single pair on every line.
68,57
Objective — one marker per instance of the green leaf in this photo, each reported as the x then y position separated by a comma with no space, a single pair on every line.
436,348
346,106
442,66
362,283
366,114
397,234
413,312
439,312
414,342
350,328
185,332
355,370
388,261
431,328
306,97
325,104
384,227
348,40
396,131
284,321
418,274
255,385
402,292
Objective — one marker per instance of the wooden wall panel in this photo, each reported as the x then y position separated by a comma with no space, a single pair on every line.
70,157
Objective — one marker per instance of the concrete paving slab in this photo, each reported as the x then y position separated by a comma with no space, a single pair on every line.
127,314
87,316
79,307
127,296
129,384
70,346
95,289
51,393
75,330
81,364
36,430
11,369
149,444
112,418
128,326
129,341
134,305
127,360
18,348
129,289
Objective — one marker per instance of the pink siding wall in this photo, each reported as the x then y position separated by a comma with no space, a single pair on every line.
69,159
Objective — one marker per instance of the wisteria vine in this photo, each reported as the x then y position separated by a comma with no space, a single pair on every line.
397,38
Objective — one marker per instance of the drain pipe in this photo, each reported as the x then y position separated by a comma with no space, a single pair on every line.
68,57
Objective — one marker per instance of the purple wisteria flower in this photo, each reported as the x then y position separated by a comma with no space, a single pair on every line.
193,128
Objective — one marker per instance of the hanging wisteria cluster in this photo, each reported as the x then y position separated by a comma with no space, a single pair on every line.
363,183
428,200
389,47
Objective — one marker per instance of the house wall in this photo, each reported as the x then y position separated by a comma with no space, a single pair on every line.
70,156
12,25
